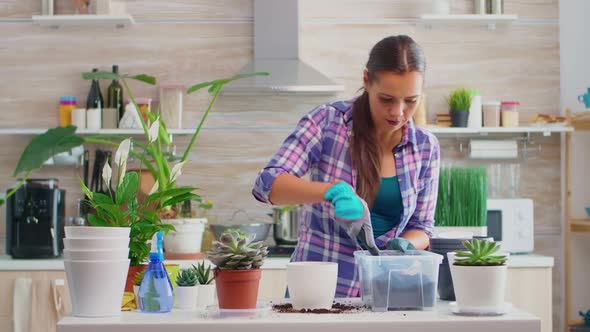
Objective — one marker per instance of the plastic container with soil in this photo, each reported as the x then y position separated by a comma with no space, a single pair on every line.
398,281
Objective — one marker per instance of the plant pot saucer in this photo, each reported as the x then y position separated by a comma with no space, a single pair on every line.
480,311
263,308
182,257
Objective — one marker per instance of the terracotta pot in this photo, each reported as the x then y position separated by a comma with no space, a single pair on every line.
237,289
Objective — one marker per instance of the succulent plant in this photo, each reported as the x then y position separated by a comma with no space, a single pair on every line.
586,316
203,273
138,278
236,251
187,278
479,253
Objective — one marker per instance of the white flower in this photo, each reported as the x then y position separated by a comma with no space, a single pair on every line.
154,188
176,171
154,129
121,157
107,173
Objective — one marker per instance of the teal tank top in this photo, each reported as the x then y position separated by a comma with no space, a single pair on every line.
388,207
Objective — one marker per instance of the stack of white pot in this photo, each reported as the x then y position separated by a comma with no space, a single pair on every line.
96,263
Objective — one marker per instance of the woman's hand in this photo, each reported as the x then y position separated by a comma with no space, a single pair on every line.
347,205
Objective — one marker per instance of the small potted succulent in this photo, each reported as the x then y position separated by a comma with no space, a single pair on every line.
206,293
237,272
459,103
186,290
479,276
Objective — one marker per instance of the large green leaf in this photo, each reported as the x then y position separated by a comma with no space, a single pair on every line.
47,145
169,193
107,75
128,188
93,220
222,81
179,199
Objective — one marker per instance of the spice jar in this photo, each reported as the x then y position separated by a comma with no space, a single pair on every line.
66,106
171,105
491,114
509,111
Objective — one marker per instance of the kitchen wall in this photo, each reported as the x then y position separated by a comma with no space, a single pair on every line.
189,41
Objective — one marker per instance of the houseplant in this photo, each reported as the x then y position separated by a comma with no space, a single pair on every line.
459,102
237,272
154,158
462,201
206,293
186,290
479,277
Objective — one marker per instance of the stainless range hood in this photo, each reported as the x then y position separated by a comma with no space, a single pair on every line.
276,51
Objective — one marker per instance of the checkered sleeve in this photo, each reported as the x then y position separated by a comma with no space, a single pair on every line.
300,150
423,217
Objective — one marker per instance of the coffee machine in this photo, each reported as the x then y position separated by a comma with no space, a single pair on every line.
35,218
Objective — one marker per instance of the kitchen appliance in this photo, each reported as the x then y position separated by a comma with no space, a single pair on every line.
35,217
511,222
285,228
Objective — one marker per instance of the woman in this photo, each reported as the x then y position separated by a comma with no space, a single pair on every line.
369,144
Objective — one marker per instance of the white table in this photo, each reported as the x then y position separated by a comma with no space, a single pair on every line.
441,319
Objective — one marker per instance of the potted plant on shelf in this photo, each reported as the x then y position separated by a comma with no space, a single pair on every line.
185,241
186,290
206,293
153,157
459,102
479,277
237,272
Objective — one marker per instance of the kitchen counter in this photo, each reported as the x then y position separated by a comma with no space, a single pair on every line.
271,263
440,319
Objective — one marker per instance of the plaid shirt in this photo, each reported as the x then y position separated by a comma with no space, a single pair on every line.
320,145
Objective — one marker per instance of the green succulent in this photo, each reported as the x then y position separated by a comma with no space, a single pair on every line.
479,253
138,278
187,278
204,276
236,251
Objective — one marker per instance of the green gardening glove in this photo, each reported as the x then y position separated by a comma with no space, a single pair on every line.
400,244
347,205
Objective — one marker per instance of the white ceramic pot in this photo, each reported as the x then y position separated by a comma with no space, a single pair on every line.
96,243
312,285
96,287
188,236
478,287
96,232
96,255
186,297
206,295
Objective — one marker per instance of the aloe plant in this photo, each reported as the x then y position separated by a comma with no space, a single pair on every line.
204,276
138,278
480,253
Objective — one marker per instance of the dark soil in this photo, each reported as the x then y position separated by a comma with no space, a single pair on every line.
337,308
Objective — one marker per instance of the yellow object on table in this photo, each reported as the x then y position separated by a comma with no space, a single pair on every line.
128,302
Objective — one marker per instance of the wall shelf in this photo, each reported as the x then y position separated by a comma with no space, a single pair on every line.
580,225
491,21
548,130
57,21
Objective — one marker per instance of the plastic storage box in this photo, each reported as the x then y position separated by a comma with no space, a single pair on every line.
398,281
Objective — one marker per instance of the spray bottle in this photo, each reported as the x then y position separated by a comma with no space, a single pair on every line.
155,292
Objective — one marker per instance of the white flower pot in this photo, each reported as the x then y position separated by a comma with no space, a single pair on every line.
478,287
186,297
83,232
188,236
96,287
312,285
206,295
473,231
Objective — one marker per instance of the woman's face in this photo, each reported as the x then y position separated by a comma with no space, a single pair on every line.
393,98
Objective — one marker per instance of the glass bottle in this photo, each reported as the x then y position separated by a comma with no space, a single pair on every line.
94,99
115,95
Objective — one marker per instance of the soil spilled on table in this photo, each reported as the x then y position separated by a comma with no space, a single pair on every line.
337,308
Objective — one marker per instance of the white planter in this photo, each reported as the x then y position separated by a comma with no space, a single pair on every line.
312,285
478,288
186,297
96,255
96,243
206,295
96,287
188,236
474,231
83,232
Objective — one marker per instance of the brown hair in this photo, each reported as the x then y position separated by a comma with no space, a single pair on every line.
397,54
